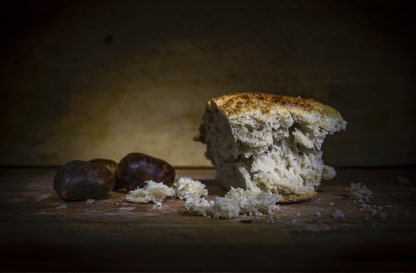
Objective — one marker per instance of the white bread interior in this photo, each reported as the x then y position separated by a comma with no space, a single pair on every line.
263,142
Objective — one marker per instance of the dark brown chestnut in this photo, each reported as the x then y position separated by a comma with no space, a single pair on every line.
80,180
111,165
136,168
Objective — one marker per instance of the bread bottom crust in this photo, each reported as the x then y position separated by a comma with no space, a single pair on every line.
296,198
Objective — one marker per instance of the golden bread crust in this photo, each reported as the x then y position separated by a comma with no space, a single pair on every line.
233,105
239,103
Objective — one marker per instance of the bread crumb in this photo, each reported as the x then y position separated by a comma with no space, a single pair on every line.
270,220
338,214
198,206
63,206
186,187
41,197
365,206
403,181
298,214
359,191
254,203
158,205
225,208
318,213
89,201
332,204
153,192
127,208
235,203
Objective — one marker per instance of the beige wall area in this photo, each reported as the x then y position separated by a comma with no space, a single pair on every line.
102,79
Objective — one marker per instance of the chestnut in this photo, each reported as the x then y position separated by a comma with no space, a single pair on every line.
136,168
80,180
111,165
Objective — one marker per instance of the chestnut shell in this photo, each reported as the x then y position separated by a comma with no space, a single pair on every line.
80,180
111,165
136,168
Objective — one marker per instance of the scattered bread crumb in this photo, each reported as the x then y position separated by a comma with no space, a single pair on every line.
225,208
63,206
235,203
157,205
254,203
270,220
127,208
41,197
153,192
403,181
198,206
332,204
89,201
359,192
338,214
186,187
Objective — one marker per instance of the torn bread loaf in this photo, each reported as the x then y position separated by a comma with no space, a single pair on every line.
270,143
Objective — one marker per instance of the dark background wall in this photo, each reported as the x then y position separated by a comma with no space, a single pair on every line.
103,78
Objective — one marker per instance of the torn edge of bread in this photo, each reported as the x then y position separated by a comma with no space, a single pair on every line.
267,142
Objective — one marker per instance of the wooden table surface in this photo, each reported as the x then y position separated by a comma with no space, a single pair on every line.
111,234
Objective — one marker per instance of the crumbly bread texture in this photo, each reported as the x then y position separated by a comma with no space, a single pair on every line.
186,187
235,203
267,142
152,192
253,203
198,206
359,191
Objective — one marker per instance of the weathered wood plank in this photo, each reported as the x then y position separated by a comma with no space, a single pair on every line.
111,234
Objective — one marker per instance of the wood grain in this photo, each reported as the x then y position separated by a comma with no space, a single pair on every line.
111,234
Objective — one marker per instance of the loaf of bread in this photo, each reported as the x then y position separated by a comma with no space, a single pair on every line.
263,142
